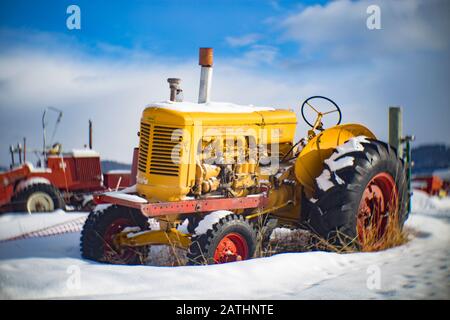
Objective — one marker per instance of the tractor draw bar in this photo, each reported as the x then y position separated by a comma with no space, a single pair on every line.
185,206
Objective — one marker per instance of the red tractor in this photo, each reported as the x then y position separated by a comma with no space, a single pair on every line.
431,184
68,178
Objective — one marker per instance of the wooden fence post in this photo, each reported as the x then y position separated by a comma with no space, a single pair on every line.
395,129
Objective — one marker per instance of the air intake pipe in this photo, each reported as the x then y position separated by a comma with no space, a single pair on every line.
175,90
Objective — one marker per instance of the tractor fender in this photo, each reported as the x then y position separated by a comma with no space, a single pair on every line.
310,162
28,182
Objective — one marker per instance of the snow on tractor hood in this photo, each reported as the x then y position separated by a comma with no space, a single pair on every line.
77,153
83,153
210,107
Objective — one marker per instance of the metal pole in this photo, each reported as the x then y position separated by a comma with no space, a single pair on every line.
24,149
43,137
395,129
409,172
409,164
11,150
90,134
19,150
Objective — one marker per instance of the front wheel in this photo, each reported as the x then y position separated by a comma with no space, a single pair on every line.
361,195
231,239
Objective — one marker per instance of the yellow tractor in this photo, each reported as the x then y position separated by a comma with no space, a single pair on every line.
218,177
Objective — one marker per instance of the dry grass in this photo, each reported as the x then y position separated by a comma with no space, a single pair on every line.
394,236
113,254
283,240
166,256
260,236
339,243
299,240
296,240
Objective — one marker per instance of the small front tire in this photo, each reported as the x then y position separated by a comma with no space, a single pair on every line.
231,239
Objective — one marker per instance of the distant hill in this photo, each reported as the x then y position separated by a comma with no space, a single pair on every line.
108,165
428,158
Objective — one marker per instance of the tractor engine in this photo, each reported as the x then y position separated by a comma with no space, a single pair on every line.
197,150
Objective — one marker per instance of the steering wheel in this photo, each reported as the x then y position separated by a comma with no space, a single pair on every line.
318,123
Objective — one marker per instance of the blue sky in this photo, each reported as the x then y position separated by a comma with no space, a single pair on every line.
175,27
274,53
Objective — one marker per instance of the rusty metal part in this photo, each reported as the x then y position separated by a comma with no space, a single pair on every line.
206,205
205,58
187,206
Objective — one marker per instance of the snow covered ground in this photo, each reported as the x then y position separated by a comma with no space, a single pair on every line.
51,267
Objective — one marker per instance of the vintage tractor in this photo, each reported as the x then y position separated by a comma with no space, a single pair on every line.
60,179
217,175
69,178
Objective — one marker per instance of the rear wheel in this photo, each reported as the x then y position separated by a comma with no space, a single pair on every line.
100,231
38,197
361,195
229,240
379,198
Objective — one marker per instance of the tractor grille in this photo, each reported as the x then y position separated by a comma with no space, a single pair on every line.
88,169
144,135
165,158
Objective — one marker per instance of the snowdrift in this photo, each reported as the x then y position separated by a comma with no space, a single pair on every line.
51,267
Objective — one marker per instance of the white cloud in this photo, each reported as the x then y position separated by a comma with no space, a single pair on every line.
242,41
338,29
259,54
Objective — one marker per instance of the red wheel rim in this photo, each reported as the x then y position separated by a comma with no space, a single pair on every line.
232,247
379,200
111,252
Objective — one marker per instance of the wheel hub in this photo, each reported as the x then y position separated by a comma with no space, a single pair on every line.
112,251
40,202
232,247
379,199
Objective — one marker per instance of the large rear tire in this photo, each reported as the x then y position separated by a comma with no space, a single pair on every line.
97,237
362,190
38,197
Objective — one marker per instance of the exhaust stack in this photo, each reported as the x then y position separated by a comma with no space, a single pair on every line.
206,61
90,134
